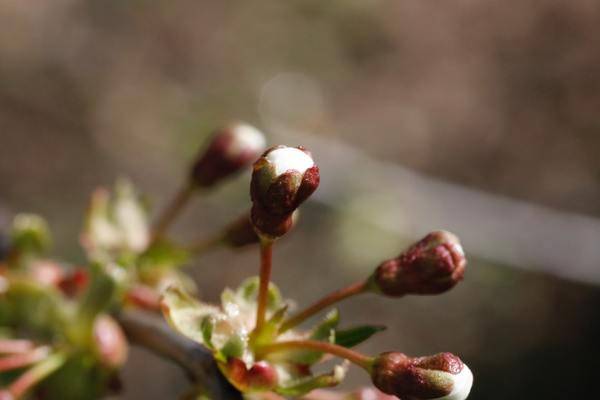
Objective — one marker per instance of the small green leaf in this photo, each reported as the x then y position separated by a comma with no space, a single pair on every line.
354,336
207,326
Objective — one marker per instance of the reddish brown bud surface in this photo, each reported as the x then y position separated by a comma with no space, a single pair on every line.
433,265
261,376
231,149
282,178
442,375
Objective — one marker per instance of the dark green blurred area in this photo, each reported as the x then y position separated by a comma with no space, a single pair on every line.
483,94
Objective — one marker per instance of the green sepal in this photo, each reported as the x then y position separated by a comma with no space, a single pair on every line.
300,386
207,327
234,347
186,314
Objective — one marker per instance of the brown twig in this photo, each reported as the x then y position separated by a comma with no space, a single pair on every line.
149,331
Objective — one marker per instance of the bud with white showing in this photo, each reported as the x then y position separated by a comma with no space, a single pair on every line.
433,265
441,376
283,178
231,149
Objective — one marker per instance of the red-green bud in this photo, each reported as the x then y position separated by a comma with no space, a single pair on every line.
231,149
433,265
441,376
111,346
259,377
262,376
282,178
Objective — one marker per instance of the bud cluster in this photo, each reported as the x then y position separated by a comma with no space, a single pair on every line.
76,313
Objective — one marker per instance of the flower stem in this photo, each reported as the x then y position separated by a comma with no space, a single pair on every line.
171,212
355,357
266,256
35,374
332,298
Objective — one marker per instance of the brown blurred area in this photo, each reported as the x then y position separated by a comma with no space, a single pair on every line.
500,97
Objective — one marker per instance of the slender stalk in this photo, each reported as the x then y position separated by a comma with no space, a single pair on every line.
332,298
172,210
266,256
14,346
355,357
36,374
21,360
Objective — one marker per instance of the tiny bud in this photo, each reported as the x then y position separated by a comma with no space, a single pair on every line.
441,376
240,233
433,265
74,282
111,345
261,376
231,149
282,178
30,233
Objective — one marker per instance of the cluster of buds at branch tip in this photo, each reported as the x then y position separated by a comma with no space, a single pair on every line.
433,265
230,150
282,178
440,376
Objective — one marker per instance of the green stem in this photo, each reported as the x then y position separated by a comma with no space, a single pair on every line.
266,256
332,298
355,357
36,374
173,209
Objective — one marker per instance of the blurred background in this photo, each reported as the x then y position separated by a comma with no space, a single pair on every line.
476,117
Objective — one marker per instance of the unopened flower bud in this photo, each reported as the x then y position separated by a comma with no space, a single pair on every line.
441,376
30,233
111,345
433,265
231,149
261,376
283,177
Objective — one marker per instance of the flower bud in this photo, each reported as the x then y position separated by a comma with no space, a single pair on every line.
441,376
262,376
110,341
283,177
431,266
30,233
231,149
